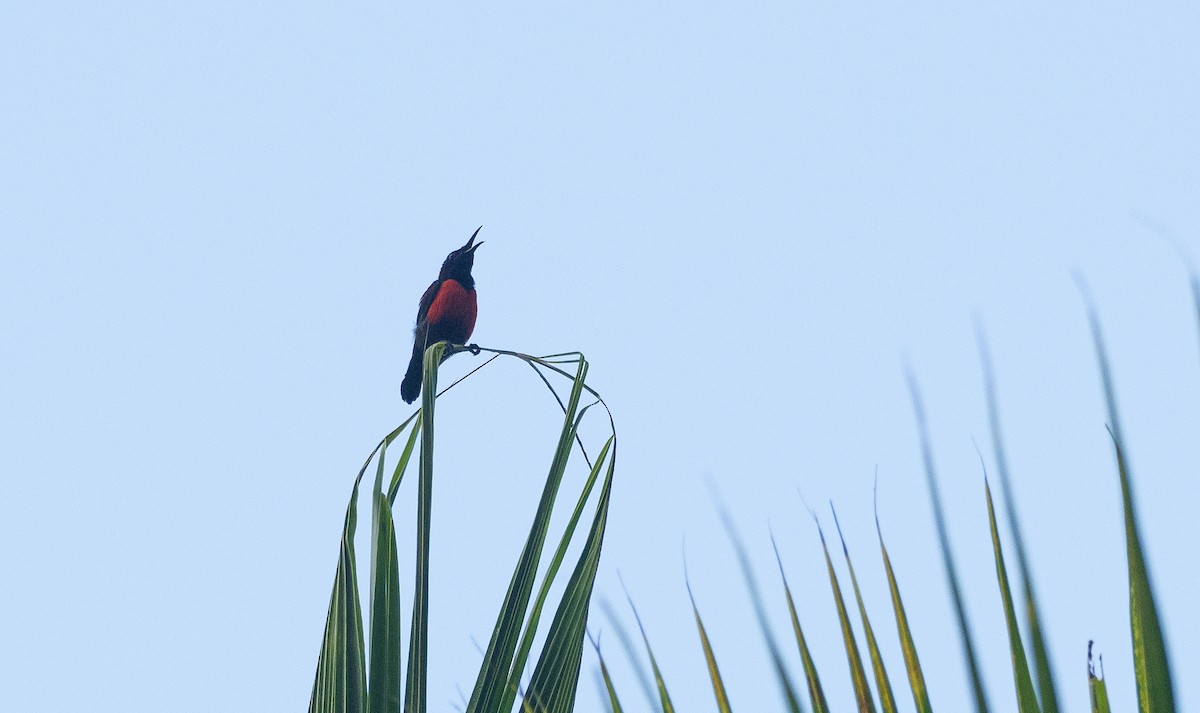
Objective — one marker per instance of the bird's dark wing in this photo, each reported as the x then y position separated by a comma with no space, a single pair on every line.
427,300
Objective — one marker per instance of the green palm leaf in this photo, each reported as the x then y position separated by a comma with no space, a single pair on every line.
1151,669
960,610
492,685
858,676
887,700
912,664
816,694
710,658
1026,698
340,685
1037,640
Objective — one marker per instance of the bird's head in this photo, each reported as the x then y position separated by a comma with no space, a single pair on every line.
458,264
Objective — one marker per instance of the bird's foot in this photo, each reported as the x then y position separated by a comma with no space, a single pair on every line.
474,349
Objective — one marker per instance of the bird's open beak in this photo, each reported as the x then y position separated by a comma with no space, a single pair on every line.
471,244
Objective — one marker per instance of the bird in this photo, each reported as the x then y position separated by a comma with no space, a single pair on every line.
447,312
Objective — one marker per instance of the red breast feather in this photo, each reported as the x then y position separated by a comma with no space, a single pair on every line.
452,313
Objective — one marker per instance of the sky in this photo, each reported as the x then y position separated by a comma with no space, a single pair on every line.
217,219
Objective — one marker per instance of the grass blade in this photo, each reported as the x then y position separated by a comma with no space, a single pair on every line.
1026,698
1047,691
862,690
1150,661
887,701
960,610
714,673
340,685
912,664
556,676
816,694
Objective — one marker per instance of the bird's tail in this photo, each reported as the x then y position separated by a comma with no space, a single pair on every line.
410,388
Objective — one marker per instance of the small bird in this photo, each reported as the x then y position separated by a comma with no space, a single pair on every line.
447,312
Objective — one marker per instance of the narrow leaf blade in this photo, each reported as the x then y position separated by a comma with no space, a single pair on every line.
340,685
1026,698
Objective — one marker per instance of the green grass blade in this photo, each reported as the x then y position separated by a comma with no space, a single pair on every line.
1026,698
539,602
491,686
386,657
556,676
1150,660
887,701
1097,689
340,685
960,610
790,699
664,698
912,664
418,647
816,694
714,673
1047,691
858,676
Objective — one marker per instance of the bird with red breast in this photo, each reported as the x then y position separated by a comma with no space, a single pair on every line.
447,312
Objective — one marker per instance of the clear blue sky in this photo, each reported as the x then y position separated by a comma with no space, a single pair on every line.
216,221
